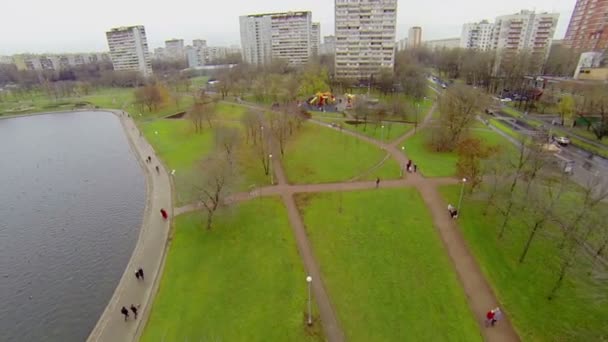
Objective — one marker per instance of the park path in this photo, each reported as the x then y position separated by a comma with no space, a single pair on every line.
480,296
149,251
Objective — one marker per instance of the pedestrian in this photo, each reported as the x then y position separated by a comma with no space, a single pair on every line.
125,312
157,169
134,309
377,182
163,212
409,165
140,271
415,168
137,275
489,318
497,315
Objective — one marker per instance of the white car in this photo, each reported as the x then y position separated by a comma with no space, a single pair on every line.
506,99
564,141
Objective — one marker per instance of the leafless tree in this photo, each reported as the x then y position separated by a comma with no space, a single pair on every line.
227,140
218,176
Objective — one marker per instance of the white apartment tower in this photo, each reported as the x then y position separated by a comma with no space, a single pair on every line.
365,37
414,37
315,38
174,48
129,49
284,36
477,36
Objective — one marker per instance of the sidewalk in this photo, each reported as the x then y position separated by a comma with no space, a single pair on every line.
148,253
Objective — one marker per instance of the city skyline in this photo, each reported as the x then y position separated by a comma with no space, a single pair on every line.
222,29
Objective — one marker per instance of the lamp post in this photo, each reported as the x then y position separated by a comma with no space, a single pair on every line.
270,169
309,281
417,110
464,180
382,134
402,166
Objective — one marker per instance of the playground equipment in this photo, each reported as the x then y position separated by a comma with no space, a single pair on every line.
320,99
349,100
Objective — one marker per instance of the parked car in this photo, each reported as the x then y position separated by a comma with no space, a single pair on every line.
564,141
506,99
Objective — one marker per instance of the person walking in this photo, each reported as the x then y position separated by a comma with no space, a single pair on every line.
489,318
163,212
140,271
377,182
134,309
125,312
157,169
497,315
137,275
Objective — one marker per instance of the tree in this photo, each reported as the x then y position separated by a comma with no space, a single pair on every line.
459,106
566,110
218,175
151,96
314,80
227,139
202,110
562,61
471,151
386,80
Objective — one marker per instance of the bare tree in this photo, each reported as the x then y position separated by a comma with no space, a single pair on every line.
227,140
459,106
218,175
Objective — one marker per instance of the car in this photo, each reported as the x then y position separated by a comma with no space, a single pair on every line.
443,85
564,141
489,111
506,99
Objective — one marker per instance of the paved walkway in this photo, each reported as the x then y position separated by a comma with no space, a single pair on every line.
149,252
480,296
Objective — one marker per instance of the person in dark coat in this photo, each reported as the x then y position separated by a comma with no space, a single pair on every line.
140,271
134,309
125,312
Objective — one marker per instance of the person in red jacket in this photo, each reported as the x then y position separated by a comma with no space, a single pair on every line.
163,212
490,318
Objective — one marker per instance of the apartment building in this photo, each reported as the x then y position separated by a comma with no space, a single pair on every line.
328,47
447,43
129,49
174,48
414,36
365,37
315,38
477,36
284,36
588,27
55,62
402,44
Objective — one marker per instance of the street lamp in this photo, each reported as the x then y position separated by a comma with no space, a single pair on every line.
382,134
270,169
464,180
309,281
417,110
402,166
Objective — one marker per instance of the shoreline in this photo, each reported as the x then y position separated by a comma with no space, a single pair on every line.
150,248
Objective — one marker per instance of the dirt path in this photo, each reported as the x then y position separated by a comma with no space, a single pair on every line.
480,296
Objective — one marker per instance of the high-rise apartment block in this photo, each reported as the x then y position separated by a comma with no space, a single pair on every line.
174,48
270,36
477,36
525,30
129,49
329,46
414,37
365,37
315,38
54,62
588,28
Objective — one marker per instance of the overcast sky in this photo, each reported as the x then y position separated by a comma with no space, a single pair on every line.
79,26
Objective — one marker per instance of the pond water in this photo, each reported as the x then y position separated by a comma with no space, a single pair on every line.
72,196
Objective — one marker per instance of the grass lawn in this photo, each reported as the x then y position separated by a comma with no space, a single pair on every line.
577,314
241,281
181,149
391,131
321,155
385,268
229,111
198,81
443,164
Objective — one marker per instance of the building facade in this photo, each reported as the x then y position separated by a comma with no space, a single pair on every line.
55,62
588,27
174,48
315,38
365,37
329,46
414,37
284,36
527,32
448,43
477,36
129,49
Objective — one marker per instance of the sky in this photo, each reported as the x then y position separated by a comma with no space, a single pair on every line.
42,26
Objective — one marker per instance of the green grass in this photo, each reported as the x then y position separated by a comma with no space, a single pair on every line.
392,130
229,111
511,111
182,149
505,128
385,268
443,164
198,81
241,281
321,155
577,314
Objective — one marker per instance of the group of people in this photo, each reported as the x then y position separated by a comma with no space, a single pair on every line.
139,274
411,167
453,211
493,316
